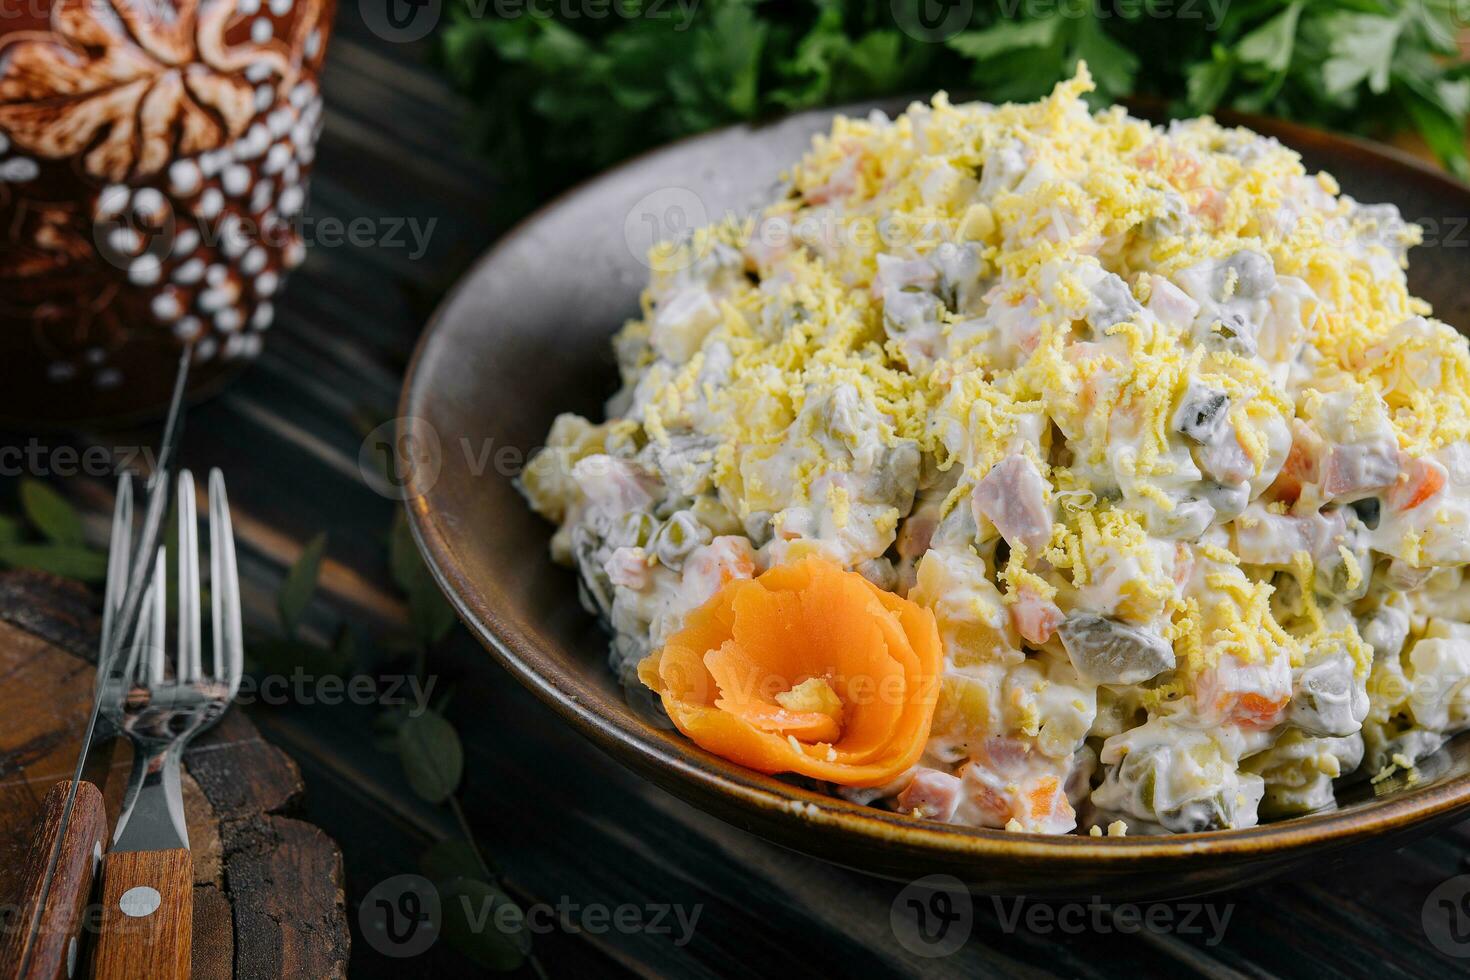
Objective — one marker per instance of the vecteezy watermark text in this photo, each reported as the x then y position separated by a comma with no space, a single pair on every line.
404,915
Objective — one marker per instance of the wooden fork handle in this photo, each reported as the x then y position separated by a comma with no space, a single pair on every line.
147,916
52,953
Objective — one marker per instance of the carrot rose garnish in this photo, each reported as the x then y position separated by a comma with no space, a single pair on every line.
807,669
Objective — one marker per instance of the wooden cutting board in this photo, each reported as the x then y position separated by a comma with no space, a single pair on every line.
268,899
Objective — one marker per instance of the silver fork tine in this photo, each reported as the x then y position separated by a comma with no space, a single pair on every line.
118,554
224,585
189,653
158,628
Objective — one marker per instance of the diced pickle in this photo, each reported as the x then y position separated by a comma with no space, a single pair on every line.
1254,276
1203,414
1110,652
1368,510
1329,699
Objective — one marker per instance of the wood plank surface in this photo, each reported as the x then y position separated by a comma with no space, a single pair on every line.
571,829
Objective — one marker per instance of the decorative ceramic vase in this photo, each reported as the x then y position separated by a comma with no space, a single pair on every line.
153,166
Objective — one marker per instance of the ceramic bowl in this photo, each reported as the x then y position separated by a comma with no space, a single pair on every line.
525,336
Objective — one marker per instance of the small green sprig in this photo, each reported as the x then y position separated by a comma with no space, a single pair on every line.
49,537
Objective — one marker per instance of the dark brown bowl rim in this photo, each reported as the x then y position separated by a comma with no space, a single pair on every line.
673,758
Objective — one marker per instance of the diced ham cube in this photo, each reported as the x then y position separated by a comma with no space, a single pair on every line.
614,484
1263,538
1012,496
914,536
1036,618
1361,468
628,567
932,794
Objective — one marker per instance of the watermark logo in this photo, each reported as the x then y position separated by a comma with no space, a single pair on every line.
669,214
401,21
1446,917
401,459
933,916
401,917
932,21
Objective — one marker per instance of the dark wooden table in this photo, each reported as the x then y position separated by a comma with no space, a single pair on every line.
570,829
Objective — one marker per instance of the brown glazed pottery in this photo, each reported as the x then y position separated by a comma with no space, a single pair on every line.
153,163
525,336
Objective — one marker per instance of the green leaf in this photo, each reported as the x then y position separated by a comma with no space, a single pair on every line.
1362,47
66,560
430,614
300,583
433,759
1208,81
450,858
1454,96
485,924
1444,133
9,530
1271,44
1113,66
50,513
1005,37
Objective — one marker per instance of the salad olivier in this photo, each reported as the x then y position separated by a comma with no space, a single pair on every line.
1030,467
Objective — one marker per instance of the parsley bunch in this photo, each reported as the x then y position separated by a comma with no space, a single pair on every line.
563,88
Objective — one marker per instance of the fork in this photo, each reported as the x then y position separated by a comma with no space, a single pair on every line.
147,877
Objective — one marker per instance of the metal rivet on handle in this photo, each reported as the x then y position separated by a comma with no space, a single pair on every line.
71,956
140,901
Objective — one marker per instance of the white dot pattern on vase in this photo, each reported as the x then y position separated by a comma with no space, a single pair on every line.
229,320
61,371
279,121
108,378
292,198
18,170
254,261
211,203
213,300
262,30
4,143
145,270
260,198
123,240
216,275
259,71
167,306
185,242
190,272
235,180
187,328
265,97
313,43
277,159
111,202
184,177
149,203
204,350
232,241
95,356
267,284
265,313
